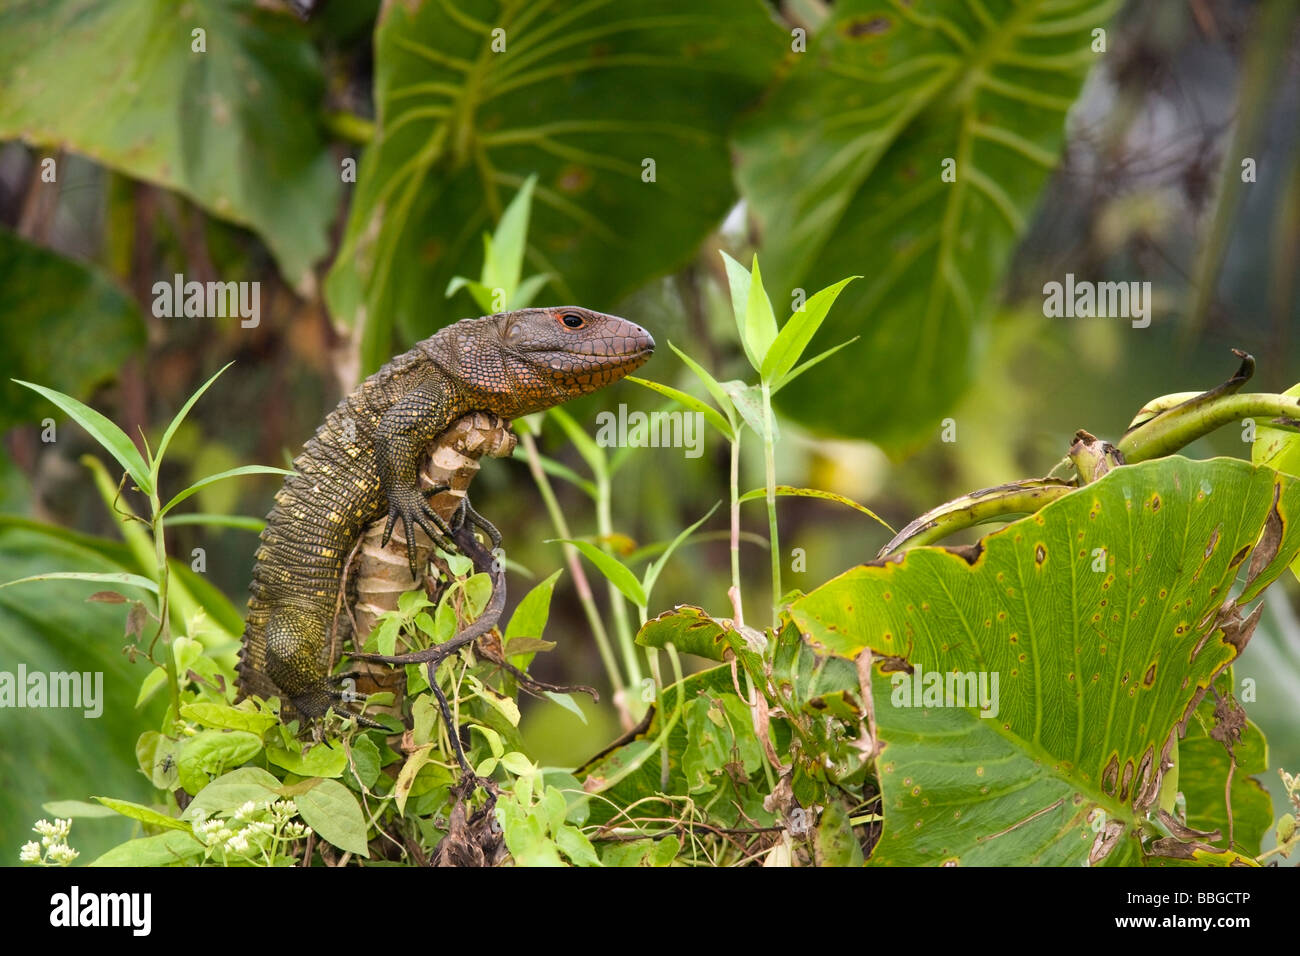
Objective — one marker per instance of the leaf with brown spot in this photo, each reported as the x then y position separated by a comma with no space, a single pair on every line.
1030,623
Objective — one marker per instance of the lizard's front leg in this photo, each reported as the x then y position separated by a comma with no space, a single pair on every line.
400,440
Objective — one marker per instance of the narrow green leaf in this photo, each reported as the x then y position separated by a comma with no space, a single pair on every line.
788,491
222,476
112,438
738,282
652,572
809,364
528,290
180,416
511,237
241,522
709,382
798,332
102,577
560,470
760,320
592,453
146,815
618,573
690,401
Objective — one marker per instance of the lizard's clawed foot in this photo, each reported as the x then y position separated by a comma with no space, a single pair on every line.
338,692
414,510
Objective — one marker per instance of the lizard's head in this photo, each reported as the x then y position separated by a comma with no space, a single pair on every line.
552,355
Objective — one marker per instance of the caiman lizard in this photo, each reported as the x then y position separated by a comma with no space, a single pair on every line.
362,464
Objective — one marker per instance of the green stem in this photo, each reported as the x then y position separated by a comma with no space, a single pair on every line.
617,603
735,513
164,616
349,127
573,559
769,458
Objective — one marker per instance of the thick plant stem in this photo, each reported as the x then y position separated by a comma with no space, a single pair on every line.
571,556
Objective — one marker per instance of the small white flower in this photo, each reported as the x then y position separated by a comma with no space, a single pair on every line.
237,844
63,854
30,853
44,828
246,811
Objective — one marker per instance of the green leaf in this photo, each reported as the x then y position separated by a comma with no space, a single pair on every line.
567,702
1280,449
77,809
574,844
48,300
321,760
112,438
252,149
797,333
222,476
748,400
689,629
113,577
146,815
172,848
1204,763
231,791
560,470
738,282
690,401
185,410
834,842
528,290
614,570
709,382
241,522
656,567
332,811
759,330
1097,643
842,166
592,453
509,241
530,617
209,752
225,717
815,360
758,494
462,126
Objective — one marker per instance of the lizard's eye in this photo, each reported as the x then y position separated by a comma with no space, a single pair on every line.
572,320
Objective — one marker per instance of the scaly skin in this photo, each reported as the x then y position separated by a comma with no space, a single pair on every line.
363,461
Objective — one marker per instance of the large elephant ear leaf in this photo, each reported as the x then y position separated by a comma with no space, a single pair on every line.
1037,679
622,111
216,99
909,146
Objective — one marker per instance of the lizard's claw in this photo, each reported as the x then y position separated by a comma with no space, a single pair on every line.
415,510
